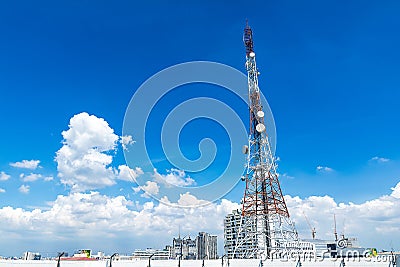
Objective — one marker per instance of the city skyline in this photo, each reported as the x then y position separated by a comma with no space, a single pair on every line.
68,71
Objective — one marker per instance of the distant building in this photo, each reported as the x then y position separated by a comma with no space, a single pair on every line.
191,249
31,256
99,255
206,246
157,254
185,247
169,249
213,247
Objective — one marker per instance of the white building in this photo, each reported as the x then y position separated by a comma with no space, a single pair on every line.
206,246
31,256
184,247
232,236
155,254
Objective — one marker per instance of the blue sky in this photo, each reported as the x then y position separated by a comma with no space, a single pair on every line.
329,69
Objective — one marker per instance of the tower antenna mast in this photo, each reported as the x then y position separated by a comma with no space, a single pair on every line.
266,227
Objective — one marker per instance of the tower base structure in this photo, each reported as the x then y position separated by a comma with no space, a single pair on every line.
253,238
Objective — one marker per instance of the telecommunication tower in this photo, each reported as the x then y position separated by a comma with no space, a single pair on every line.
266,227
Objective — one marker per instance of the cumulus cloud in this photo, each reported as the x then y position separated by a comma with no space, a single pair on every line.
173,177
396,191
2,190
128,174
4,176
367,220
188,200
48,178
324,169
30,177
379,159
151,188
24,189
126,140
26,164
84,160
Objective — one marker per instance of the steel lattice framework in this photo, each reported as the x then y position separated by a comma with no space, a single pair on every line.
266,227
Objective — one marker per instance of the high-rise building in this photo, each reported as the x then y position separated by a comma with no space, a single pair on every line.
212,247
206,246
185,248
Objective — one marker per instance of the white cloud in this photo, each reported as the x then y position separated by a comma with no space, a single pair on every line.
26,164
173,177
324,169
4,176
128,174
126,140
24,189
88,132
188,200
379,159
151,188
287,176
30,177
365,221
84,160
396,191
48,178
2,190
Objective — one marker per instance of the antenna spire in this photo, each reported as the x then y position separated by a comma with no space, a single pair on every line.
248,39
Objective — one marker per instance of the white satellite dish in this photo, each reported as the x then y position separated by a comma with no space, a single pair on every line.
260,114
252,54
245,149
260,127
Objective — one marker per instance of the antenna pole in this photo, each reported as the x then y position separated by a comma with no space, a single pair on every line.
335,232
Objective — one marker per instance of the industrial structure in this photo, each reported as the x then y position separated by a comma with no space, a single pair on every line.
264,227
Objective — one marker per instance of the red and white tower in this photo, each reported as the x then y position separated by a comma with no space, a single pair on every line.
266,227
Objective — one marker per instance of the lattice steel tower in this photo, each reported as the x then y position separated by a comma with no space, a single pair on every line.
266,228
